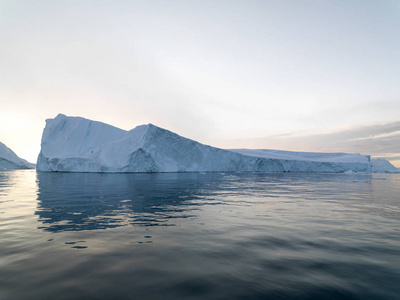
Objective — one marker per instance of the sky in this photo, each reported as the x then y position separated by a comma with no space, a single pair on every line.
292,75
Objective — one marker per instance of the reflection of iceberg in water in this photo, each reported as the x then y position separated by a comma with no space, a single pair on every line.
91,201
82,201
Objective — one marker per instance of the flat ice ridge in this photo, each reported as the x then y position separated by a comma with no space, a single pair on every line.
378,165
75,144
306,156
10,161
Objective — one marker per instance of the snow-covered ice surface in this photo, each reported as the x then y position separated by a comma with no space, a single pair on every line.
10,161
75,144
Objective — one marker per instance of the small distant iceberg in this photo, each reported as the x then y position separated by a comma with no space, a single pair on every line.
75,144
10,161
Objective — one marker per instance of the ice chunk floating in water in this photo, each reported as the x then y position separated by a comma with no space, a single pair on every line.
11,161
75,144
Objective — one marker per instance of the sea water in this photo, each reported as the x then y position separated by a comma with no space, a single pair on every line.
199,236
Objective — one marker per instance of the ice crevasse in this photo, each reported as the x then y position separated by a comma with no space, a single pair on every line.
75,144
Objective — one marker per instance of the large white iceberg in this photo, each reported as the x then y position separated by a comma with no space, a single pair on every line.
75,144
10,161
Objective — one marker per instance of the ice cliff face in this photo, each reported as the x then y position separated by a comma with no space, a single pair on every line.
74,144
10,161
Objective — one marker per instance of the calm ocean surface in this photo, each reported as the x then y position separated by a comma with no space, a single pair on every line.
199,236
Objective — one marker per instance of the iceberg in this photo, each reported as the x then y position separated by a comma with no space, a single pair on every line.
380,165
306,156
75,144
11,161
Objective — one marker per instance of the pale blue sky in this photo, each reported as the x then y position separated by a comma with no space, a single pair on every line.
225,73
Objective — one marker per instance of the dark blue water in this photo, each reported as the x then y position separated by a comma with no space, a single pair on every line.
199,236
